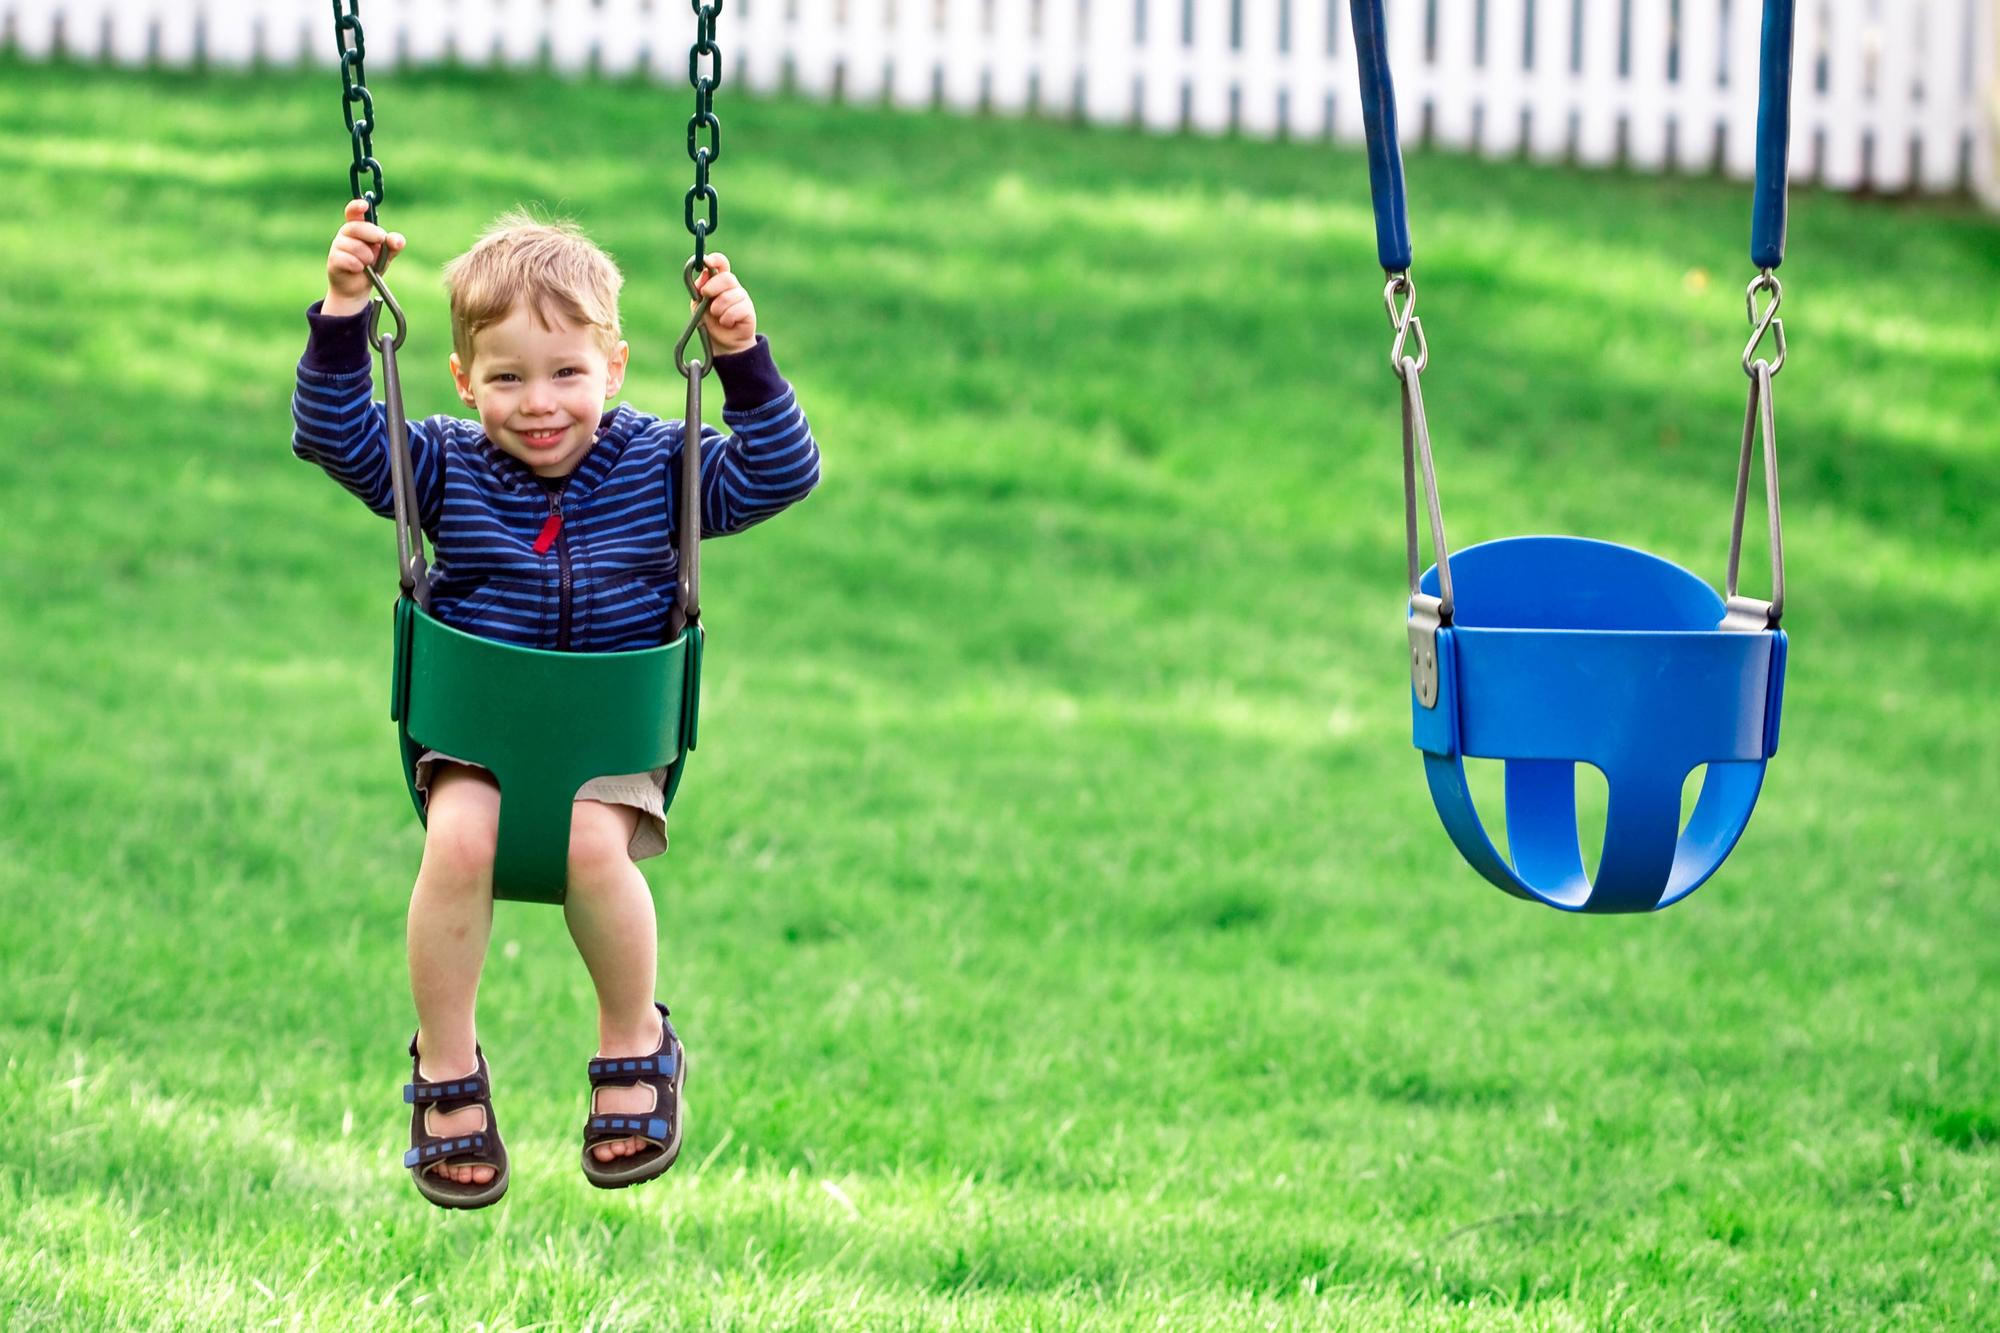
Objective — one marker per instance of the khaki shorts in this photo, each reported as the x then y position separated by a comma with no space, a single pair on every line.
644,792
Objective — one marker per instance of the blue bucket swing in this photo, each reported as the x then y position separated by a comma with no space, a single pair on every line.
1547,652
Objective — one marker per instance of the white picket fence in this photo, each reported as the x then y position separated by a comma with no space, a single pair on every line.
1889,95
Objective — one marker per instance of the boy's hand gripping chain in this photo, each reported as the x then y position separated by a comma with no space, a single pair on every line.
359,109
705,73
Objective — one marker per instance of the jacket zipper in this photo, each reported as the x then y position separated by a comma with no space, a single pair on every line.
552,534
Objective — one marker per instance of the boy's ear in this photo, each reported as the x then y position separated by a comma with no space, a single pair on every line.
615,366
462,377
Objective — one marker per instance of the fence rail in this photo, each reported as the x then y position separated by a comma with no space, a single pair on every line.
1889,95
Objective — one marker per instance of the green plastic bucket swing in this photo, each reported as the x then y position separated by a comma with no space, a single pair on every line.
488,703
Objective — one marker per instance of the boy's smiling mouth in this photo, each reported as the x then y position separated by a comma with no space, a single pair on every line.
543,439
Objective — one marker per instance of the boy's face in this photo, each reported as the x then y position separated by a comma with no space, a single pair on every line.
540,391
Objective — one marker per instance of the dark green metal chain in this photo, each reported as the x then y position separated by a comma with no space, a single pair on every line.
705,73
359,106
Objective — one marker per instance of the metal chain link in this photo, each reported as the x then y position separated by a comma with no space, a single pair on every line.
705,73
358,106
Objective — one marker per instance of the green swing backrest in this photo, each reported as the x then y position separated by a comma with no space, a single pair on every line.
544,723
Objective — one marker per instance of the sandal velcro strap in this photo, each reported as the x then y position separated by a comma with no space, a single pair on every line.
622,1126
458,1090
660,1065
432,1149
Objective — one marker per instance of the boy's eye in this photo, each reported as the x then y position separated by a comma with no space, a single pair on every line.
505,377
568,370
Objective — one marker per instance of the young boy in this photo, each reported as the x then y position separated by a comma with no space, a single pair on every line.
552,521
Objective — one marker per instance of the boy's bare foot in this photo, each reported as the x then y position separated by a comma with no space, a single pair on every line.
630,1099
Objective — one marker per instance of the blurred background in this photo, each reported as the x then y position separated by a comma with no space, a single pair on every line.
1057,921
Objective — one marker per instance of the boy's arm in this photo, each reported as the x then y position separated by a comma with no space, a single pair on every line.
336,424
770,461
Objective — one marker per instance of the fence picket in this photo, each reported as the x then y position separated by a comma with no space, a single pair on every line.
1698,85
1108,72
812,45
1453,106
862,58
1552,80
1212,70
1006,43
1307,67
1984,111
1740,46
426,33
1847,100
1943,45
1648,104
1501,78
1599,105
922,60
1260,68
962,54
229,32
762,43
1055,41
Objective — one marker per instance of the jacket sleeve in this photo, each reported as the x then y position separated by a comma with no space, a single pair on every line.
336,424
769,461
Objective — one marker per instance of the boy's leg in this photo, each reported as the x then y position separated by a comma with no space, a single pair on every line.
610,915
451,919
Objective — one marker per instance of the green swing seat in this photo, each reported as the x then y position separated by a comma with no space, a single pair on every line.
481,701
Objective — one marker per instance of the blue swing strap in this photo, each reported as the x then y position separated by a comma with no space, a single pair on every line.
1385,157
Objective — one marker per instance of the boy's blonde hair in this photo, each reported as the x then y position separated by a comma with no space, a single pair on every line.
550,265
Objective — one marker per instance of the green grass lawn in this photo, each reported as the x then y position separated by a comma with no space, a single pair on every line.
1056,919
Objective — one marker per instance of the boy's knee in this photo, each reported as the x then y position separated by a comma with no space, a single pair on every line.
462,828
600,837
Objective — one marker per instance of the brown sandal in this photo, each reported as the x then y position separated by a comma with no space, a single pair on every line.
481,1147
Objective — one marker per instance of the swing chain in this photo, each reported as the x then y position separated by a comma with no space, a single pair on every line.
1763,322
705,73
1403,319
358,105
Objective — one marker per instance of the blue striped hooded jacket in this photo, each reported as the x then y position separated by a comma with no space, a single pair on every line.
606,581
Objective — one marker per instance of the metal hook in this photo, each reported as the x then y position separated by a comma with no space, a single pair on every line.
1766,321
697,323
375,312
1405,322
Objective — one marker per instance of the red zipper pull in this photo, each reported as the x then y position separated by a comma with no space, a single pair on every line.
550,527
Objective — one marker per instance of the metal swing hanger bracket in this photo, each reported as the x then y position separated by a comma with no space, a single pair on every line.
1428,614
1767,252
412,573
1760,418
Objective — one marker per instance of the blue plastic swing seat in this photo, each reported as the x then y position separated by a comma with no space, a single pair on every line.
1566,651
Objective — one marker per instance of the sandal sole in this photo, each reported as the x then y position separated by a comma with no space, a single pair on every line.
465,1197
